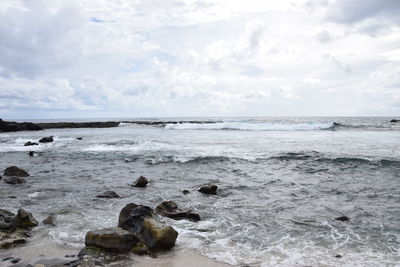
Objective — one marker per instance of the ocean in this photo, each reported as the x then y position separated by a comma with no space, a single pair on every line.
282,182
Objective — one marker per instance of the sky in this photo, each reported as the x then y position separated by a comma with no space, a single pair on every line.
199,58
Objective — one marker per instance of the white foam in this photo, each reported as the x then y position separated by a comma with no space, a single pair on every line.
246,126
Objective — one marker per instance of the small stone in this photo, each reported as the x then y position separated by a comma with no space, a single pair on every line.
343,219
50,220
185,192
141,182
47,139
108,194
69,255
79,138
338,256
16,260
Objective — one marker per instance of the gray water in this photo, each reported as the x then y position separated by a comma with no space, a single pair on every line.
282,182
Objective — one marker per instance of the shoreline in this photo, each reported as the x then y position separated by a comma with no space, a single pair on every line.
42,250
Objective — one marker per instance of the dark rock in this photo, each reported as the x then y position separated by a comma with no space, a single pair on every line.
15,171
23,220
111,239
15,260
140,182
1,177
185,192
170,209
109,194
209,189
15,180
70,256
11,126
394,121
33,153
29,143
79,138
154,235
7,258
82,253
343,218
47,139
50,220
11,241
338,256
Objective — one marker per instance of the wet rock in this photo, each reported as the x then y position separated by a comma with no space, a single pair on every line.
10,126
50,220
47,139
170,209
108,194
15,260
141,182
7,258
343,219
15,180
82,253
154,235
79,138
185,192
209,189
11,241
33,153
1,177
394,121
29,143
15,171
52,262
338,256
111,239
23,220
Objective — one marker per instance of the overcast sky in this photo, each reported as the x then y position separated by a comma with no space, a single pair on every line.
144,58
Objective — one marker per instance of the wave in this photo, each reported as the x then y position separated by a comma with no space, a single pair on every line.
249,126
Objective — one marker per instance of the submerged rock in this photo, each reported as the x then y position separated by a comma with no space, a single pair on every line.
185,192
343,218
79,138
47,139
155,235
29,143
14,180
50,220
209,189
108,194
33,153
112,239
170,209
141,182
15,171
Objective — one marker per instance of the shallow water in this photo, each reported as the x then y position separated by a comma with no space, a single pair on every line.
282,181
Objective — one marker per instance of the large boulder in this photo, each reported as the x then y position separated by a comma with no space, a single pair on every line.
209,189
112,239
170,209
140,182
155,235
15,171
23,220
47,139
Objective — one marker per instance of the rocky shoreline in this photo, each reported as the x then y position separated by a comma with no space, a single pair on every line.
11,126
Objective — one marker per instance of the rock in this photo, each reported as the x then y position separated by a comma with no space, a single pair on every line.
138,220
394,121
185,192
7,258
209,189
33,153
23,220
111,239
338,256
15,171
170,209
47,139
10,126
109,194
11,241
29,143
79,138
1,177
15,180
141,182
50,220
343,218
15,260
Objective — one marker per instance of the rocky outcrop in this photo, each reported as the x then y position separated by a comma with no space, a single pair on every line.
15,171
108,194
394,121
154,235
11,126
209,189
170,209
140,182
29,143
23,220
47,139
112,239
